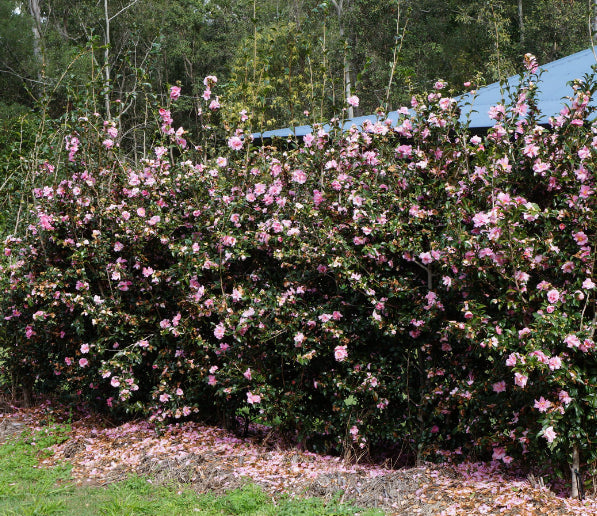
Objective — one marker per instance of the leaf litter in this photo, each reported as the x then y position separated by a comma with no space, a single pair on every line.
211,459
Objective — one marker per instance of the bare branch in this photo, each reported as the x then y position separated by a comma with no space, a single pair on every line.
123,9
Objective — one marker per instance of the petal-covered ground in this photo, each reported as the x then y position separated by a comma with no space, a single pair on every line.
213,459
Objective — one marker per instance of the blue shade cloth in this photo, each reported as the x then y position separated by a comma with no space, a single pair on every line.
553,87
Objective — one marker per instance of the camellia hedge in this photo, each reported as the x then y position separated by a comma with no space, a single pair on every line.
411,282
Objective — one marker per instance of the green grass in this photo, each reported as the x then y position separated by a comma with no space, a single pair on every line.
27,489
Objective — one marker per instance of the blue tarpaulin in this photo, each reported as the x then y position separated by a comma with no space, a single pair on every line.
553,87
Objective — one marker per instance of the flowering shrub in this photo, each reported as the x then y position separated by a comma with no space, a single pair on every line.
396,282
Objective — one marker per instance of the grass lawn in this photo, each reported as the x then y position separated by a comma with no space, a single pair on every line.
27,489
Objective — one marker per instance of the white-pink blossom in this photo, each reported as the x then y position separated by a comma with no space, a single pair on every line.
340,353
353,101
253,398
220,331
235,143
549,434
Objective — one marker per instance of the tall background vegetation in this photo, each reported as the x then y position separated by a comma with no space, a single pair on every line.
284,56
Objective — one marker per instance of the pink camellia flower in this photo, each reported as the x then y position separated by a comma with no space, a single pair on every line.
174,92
353,101
580,238
247,373
299,338
588,284
108,143
235,143
112,132
340,353
555,363
523,332
497,112
153,220
299,176
210,80
530,63
164,397
498,453
553,296
564,397
228,240
165,115
499,387
220,331
253,398
542,404
83,362
214,104
520,380
572,341
426,258
115,382
85,348
211,380
549,434
480,219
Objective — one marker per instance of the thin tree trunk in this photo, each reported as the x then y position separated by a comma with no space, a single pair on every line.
347,84
35,12
107,62
575,470
396,53
254,40
521,25
339,5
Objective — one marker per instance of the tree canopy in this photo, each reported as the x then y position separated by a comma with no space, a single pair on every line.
286,57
